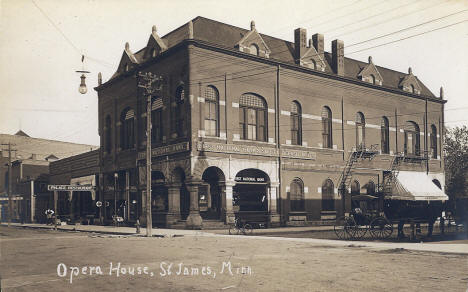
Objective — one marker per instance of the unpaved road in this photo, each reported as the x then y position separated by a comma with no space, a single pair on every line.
29,261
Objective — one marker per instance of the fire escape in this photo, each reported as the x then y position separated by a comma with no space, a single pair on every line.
355,156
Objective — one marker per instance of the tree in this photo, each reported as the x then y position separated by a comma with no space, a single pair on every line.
456,162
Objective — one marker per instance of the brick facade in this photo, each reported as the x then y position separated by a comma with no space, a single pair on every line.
199,171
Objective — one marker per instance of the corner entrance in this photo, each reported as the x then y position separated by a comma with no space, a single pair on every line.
250,195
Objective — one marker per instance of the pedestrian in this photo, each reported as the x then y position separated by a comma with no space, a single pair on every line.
50,214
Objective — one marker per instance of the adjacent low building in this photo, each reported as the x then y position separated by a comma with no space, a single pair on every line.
30,159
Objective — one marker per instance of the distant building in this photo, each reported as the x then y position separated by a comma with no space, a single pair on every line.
249,123
30,167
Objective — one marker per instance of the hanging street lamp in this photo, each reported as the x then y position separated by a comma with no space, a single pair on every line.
82,89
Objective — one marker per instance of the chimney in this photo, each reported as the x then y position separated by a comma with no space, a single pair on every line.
317,40
338,57
300,42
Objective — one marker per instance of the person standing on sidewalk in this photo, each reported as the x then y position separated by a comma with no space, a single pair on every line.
50,214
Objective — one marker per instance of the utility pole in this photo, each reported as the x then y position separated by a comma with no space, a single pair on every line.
10,184
151,84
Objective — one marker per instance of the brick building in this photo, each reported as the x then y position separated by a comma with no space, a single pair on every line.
30,167
250,123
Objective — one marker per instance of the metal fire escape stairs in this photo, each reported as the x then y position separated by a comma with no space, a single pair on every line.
390,177
355,156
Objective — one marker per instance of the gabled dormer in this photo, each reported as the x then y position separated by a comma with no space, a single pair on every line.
253,43
128,60
370,74
155,45
312,59
409,83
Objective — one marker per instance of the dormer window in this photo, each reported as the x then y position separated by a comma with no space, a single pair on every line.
372,79
412,88
154,53
253,49
126,68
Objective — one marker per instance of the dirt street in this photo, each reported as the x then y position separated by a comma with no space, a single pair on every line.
39,260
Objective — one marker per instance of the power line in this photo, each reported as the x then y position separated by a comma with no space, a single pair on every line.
68,39
320,16
407,28
372,16
388,20
408,37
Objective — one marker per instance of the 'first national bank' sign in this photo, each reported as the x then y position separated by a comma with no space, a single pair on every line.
75,188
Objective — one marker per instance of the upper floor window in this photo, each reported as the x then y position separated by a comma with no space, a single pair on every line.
211,111
296,195
412,141
254,49
157,120
108,135
355,188
179,111
434,141
327,135
296,123
360,130
373,80
253,117
385,135
127,129
370,188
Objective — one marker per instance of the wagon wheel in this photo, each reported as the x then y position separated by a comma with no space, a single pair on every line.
233,229
247,229
360,230
345,227
381,228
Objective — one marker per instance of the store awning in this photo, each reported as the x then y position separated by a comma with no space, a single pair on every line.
415,186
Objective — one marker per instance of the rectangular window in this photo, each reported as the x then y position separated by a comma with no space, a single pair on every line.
261,126
211,119
156,126
252,124
242,126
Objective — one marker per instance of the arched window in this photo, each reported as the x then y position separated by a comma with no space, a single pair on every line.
108,135
296,123
127,136
385,135
211,111
360,131
412,88
412,144
253,117
372,79
327,134
434,142
179,111
253,49
370,188
154,52
355,188
313,64
296,195
156,120
328,198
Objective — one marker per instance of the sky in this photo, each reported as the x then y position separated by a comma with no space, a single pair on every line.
41,43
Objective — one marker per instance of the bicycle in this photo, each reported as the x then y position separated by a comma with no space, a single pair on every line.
238,227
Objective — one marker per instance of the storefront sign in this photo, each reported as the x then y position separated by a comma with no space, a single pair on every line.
75,188
249,179
165,150
254,150
233,148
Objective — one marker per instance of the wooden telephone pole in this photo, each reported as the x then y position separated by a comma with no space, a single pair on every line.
10,184
151,84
